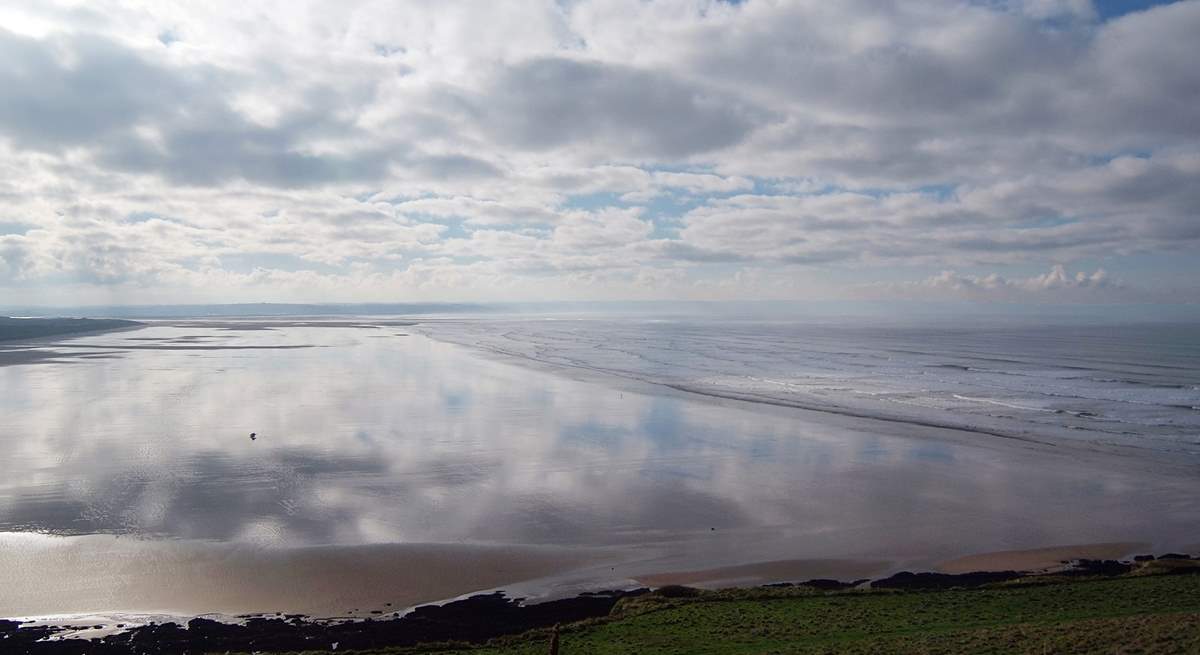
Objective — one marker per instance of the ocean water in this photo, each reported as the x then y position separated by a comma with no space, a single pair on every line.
1121,387
607,434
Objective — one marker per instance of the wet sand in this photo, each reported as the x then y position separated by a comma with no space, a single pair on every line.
376,440
56,346
46,575
237,325
40,348
1040,559
765,572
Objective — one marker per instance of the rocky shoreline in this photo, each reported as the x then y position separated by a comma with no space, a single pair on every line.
481,617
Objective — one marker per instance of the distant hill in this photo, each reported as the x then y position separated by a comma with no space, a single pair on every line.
32,328
253,310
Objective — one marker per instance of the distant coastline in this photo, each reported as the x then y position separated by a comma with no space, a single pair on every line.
16,329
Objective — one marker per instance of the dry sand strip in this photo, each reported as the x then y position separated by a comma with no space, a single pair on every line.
1039,559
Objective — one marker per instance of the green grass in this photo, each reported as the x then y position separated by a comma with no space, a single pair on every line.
1136,614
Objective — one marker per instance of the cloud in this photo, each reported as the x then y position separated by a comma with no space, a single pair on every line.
1048,9
1056,285
617,147
621,111
69,91
141,114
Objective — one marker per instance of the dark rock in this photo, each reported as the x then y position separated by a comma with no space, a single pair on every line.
677,591
828,585
908,580
1143,558
1101,567
475,619
1174,556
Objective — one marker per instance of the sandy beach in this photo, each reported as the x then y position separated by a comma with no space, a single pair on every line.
47,575
1040,559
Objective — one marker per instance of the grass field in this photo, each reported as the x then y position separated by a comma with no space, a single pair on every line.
1137,614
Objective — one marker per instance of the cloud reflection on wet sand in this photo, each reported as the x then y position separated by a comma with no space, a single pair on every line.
366,440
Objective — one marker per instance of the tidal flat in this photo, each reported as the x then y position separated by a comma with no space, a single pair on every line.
391,468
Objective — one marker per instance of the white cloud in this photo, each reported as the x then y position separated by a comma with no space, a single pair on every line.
535,148
1056,285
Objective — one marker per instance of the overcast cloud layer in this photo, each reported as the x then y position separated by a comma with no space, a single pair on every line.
392,151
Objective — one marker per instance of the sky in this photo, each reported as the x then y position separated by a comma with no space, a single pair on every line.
1043,151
